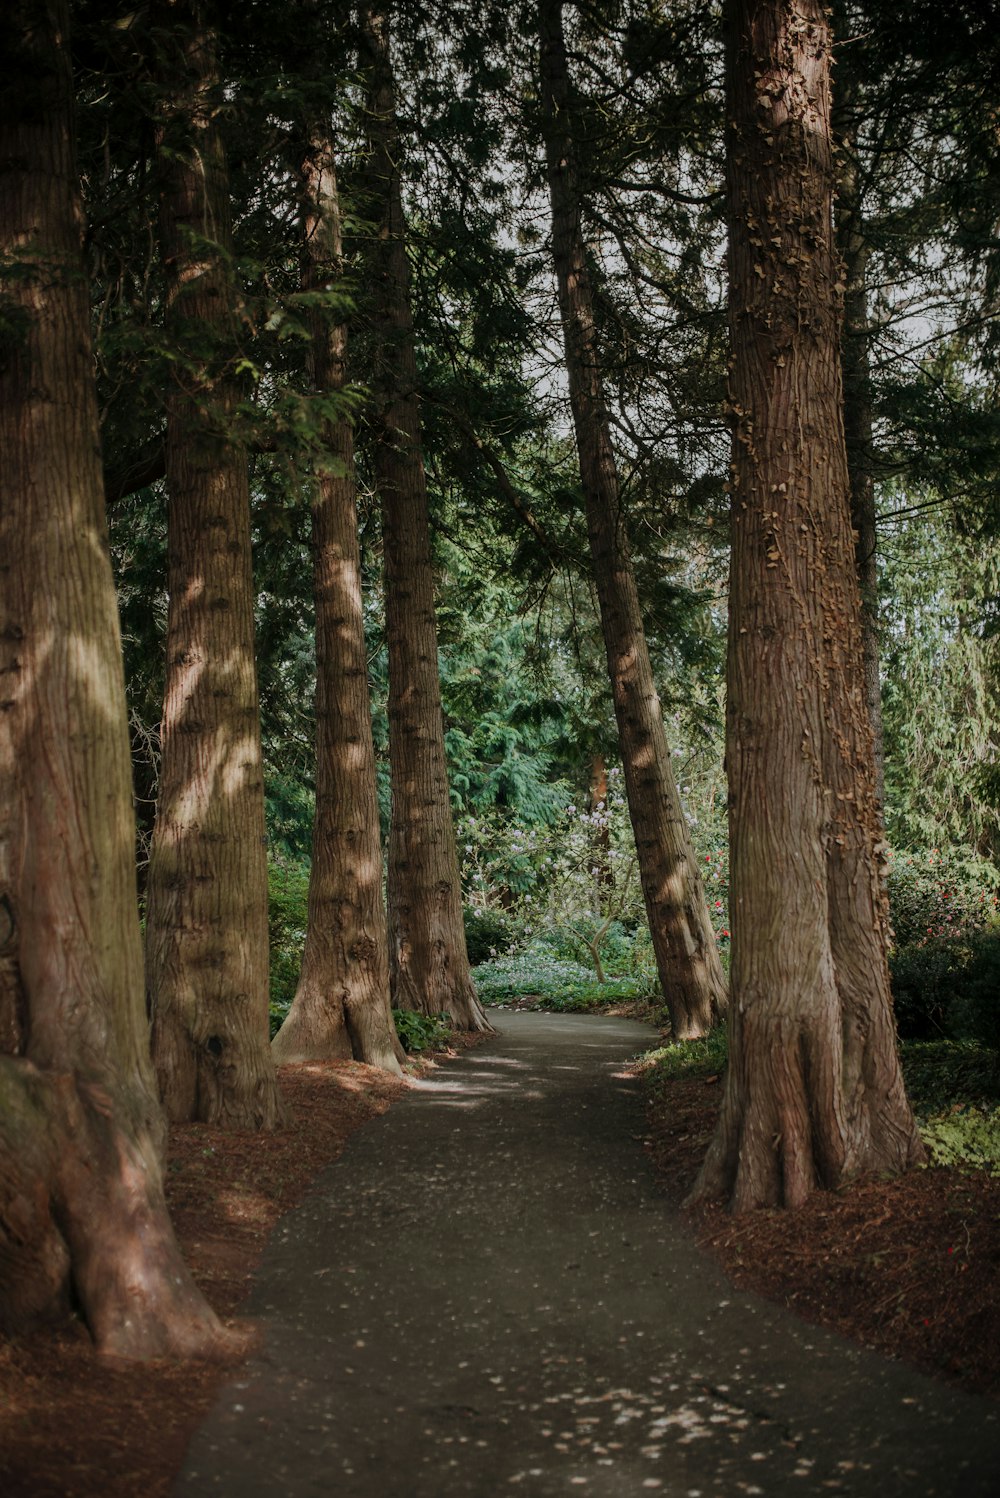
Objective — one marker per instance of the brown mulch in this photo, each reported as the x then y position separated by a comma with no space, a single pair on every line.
909,1266
74,1426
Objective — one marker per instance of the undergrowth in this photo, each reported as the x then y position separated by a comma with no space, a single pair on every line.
421,1032
553,983
954,1088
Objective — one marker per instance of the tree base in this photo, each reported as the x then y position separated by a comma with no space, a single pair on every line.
82,1215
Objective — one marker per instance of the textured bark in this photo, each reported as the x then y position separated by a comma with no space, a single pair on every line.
687,956
852,243
206,925
813,1092
341,1006
429,963
80,1126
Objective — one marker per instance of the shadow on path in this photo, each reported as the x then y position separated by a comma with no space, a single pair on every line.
514,1309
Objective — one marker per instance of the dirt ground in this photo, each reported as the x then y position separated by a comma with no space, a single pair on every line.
910,1267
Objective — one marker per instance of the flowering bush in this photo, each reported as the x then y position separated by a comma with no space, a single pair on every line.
535,974
935,894
573,879
715,875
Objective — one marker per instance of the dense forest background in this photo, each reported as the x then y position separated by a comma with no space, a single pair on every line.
544,843
480,392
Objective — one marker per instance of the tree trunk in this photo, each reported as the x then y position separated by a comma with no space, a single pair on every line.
81,1192
430,966
341,1005
853,245
687,956
206,934
813,1094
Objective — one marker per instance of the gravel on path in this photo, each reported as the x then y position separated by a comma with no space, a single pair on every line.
487,1295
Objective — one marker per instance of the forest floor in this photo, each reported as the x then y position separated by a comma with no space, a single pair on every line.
909,1267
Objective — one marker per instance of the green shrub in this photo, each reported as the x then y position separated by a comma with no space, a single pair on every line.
968,1138
941,1073
975,1010
487,932
949,986
288,900
932,895
955,1092
954,1089
556,983
421,1032
705,1057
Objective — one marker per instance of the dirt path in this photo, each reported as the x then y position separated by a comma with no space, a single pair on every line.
486,1294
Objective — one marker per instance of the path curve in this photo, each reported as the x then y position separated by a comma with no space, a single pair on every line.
517,1310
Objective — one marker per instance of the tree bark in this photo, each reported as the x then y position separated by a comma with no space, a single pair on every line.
814,1093
852,242
687,956
81,1130
341,1006
429,963
206,934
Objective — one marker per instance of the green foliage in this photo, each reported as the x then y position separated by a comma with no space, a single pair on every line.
941,1073
698,1059
421,1032
949,986
288,901
487,932
946,967
955,1092
954,1089
940,682
537,975
498,721
289,808
940,893
968,1138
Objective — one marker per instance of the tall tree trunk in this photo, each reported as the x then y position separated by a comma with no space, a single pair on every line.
81,1194
430,966
852,243
206,932
341,1005
687,956
814,1094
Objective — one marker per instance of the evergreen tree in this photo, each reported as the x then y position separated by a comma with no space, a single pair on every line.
206,914
81,1131
814,1093
687,955
341,1004
430,967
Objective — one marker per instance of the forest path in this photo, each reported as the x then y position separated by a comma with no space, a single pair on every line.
486,1294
